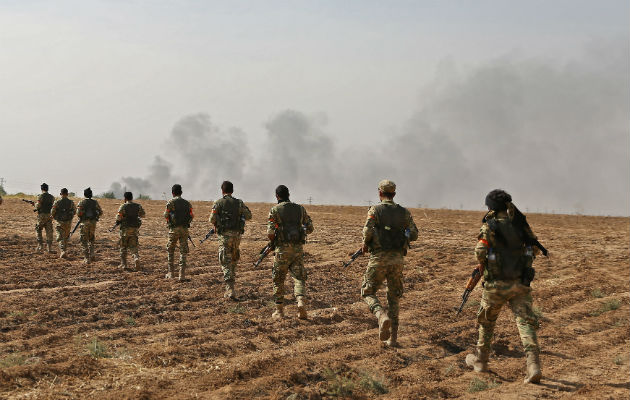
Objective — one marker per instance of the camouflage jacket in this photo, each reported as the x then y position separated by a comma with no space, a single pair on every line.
371,239
244,211
81,209
274,222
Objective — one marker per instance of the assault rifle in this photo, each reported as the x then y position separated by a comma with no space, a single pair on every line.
265,252
31,202
353,257
191,241
75,228
472,282
114,227
212,231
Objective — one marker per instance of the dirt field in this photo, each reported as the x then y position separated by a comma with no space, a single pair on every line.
73,331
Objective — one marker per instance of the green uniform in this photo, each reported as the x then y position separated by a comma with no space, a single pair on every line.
129,215
229,215
63,211
89,212
505,258
179,215
387,232
44,221
290,223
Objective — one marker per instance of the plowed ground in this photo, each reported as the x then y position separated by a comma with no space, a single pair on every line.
68,330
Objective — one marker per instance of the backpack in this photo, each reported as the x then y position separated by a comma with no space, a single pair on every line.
291,230
390,228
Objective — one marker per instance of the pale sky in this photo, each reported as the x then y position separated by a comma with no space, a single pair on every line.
92,89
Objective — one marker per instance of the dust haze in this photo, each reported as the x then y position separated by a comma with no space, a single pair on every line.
553,134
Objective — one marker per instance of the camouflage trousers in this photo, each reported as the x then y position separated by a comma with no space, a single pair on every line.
384,265
128,242
519,298
87,230
44,222
229,254
177,234
288,258
63,229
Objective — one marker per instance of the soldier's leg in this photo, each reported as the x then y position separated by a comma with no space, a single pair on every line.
299,274
48,225
527,323
372,281
38,229
492,299
224,259
170,248
123,242
394,293
183,252
132,246
92,239
235,255
84,239
278,275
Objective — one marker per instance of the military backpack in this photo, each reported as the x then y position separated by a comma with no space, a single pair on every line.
131,216
180,216
229,215
390,226
290,227
89,210
46,203
510,258
64,210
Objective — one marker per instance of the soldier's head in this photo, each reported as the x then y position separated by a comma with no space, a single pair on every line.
44,187
282,193
128,196
64,192
176,189
87,193
386,189
497,200
227,187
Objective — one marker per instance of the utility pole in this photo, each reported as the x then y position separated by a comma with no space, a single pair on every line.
369,203
2,182
310,200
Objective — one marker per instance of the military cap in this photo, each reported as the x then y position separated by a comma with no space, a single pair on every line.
387,186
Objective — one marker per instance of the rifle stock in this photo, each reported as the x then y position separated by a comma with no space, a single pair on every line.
114,227
212,231
354,256
75,228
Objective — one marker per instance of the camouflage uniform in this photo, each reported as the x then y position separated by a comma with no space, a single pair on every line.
178,214
288,254
129,218
385,264
63,211
499,290
89,212
43,206
229,215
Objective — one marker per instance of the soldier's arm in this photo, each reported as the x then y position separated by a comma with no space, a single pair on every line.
73,208
483,244
306,220
141,212
213,214
38,205
192,215
413,229
245,212
99,210
368,228
272,224
167,211
53,210
79,209
120,215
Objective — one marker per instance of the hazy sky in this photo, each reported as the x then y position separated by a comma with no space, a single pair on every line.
92,90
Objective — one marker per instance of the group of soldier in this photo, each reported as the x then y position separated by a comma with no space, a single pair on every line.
504,253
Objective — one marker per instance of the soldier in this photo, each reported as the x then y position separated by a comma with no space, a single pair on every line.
88,211
287,227
179,215
386,235
129,218
43,206
228,217
63,211
507,260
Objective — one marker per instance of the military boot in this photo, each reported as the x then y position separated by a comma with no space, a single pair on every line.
123,262
63,254
86,257
92,256
171,272
384,325
182,273
136,262
229,291
49,247
40,247
479,361
393,338
533,368
279,313
301,307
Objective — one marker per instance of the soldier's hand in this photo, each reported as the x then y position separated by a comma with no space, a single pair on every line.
364,248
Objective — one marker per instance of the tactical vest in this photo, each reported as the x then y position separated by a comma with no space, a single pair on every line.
507,260
290,229
89,210
229,218
181,215
46,203
390,227
131,217
64,210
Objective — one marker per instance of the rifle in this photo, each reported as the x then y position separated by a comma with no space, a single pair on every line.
472,282
212,231
191,241
535,242
353,257
31,202
75,228
265,252
114,227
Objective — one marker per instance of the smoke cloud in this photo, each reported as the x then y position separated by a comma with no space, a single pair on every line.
554,135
